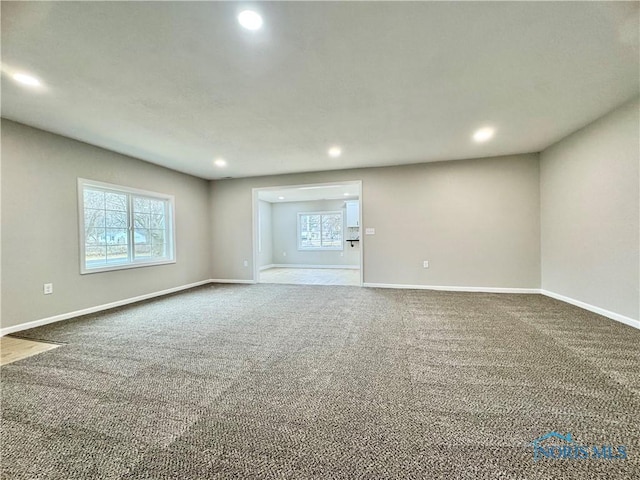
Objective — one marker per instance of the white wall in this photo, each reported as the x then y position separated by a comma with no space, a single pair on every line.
589,208
265,251
40,238
476,221
285,240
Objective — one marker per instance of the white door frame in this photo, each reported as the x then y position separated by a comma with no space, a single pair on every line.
255,213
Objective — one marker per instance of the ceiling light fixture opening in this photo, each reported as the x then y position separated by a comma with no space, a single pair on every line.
483,134
280,198
26,79
335,152
220,162
250,20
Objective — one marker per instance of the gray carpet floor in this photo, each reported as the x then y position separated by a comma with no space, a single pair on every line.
322,382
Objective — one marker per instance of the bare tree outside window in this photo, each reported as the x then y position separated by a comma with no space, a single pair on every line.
320,231
124,228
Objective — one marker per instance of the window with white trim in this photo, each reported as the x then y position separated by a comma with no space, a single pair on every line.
320,230
122,227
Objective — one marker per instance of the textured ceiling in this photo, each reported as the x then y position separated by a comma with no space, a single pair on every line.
179,84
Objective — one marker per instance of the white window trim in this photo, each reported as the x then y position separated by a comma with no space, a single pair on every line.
298,231
82,183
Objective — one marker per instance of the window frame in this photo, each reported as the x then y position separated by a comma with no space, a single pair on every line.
130,192
302,248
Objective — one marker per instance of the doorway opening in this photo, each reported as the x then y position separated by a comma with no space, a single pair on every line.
308,234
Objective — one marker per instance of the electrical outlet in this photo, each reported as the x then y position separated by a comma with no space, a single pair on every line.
47,288
425,264
246,263
284,254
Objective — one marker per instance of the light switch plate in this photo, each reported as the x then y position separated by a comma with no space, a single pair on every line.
369,231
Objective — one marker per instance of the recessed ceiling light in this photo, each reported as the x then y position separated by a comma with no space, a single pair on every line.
335,152
250,20
483,134
280,198
220,162
346,194
25,79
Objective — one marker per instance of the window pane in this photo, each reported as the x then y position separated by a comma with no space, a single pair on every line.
158,250
116,201
156,207
157,236
117,236
93,198
157,221
310,231
93,235
95,256
93,219
117,253
141,220
142,251
141,236
321,230
332,230
114,219
140,205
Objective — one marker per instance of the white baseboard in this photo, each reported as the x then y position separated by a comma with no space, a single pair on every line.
592,308
229,280
99,308
267,267
65,316
300,265
452,288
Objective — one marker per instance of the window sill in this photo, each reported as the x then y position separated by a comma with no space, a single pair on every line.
125,266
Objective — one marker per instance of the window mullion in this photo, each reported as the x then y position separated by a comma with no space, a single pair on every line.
130,227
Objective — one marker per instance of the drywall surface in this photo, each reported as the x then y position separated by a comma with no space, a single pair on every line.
476,221
40,238
589,213
265,235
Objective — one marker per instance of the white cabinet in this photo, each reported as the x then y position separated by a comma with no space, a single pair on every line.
353,213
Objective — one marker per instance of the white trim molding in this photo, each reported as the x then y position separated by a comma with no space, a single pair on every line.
452,288
99,308
304,265
592,308
230,280
254,222
65,316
